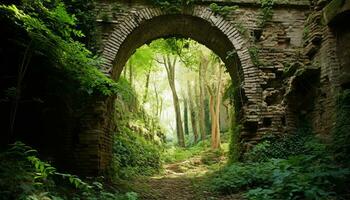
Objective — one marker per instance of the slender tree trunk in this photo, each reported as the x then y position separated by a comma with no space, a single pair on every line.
218,102
213,119
187,132
148,75
170,69
215,112
202,97
201,104
192,112
157,101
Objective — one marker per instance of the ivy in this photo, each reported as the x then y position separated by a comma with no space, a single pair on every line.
222,10
254,54
172,6
266,12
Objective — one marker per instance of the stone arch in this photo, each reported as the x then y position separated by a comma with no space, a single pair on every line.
201,24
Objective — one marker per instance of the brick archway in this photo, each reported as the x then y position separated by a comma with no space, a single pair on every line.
142,26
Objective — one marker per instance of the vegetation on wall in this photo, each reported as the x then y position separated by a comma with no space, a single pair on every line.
341,130
138,139
254,55
171,6
222,10
266,12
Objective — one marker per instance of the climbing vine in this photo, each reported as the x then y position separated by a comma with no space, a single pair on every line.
222,10
266,12
171,6
254,54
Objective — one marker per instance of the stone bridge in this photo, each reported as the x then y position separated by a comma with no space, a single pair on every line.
285,68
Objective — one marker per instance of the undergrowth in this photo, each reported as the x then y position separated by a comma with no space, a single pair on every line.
138,139
24,176
299,166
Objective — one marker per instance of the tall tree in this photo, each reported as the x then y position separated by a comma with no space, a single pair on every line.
148,75
193,113
215,101
187,132
202,93
170,64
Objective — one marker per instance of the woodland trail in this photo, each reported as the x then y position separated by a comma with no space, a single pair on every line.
180,181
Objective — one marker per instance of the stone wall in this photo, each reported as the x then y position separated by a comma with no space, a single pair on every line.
286,71
327,46
278,46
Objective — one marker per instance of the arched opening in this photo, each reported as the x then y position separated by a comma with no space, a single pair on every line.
201,25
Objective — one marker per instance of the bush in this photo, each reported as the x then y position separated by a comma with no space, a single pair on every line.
24,176
134,155
281,147
309,174
176,154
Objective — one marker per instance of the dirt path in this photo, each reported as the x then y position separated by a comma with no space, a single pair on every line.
178,182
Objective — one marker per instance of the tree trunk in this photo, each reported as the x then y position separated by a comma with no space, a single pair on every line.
186,117
170,69
215,112
157,101
213,119
201,101
192,112
146,86
217,109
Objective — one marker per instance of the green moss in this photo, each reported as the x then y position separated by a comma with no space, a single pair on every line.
234,148
222,10
171,6
266,12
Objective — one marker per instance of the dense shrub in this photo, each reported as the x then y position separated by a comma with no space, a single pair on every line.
24,176
134,155
304,171
48,33
281,147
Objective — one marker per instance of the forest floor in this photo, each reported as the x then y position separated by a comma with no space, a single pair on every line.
181,180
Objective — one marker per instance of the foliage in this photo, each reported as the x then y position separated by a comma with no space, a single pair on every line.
51,31
24,176
126,92
241,28
171,6
136,143
266,12
234,148
134,155
279,147
222,10
308,175
341,130
254,54
175,154
84,11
